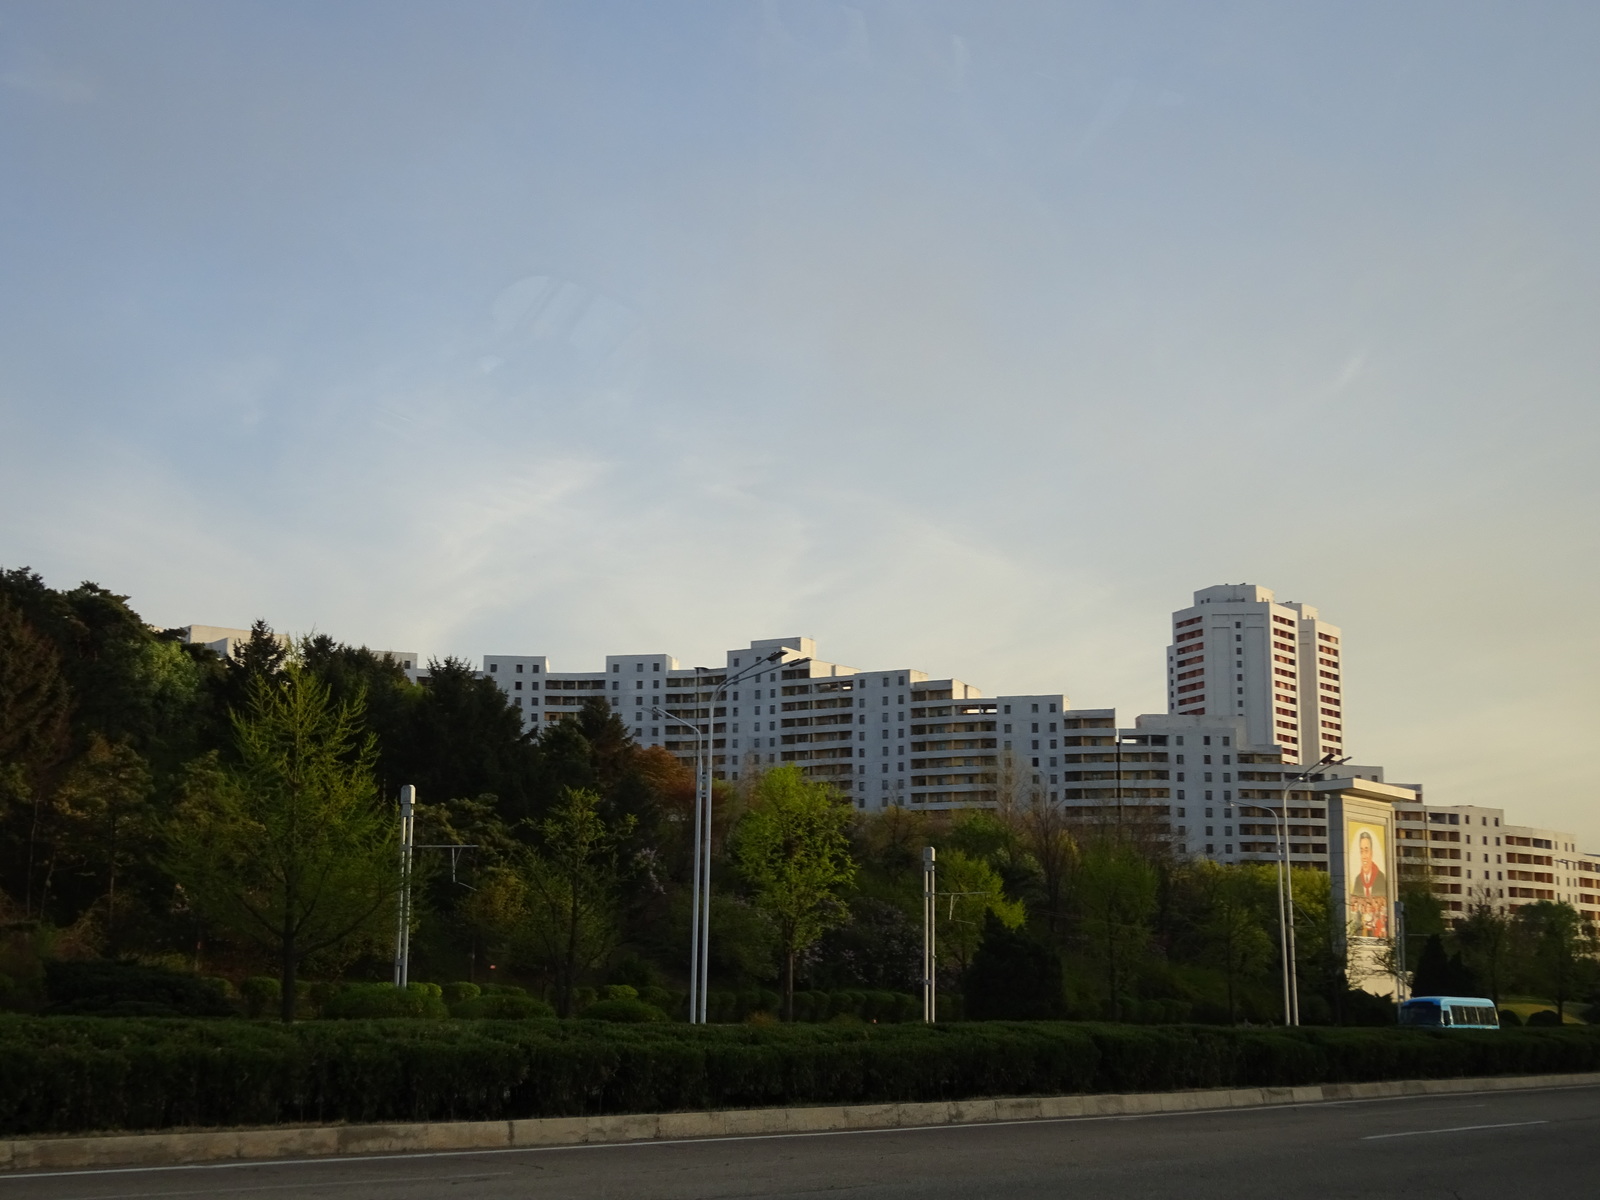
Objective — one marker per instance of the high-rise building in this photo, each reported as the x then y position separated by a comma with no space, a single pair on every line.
884,736
1238,653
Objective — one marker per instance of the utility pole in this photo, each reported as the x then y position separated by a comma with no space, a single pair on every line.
1402,985
402,936
408,849
930,995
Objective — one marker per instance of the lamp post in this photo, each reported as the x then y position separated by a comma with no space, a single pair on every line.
700,770
408,835
930,996
700,904
1291,981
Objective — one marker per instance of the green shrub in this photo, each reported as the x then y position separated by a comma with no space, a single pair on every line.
623,1010
260,995
503,1006
1509,1018
108,988
1544,1017
460,993
72,1074
365,1001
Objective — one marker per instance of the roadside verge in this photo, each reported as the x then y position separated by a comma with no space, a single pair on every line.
213,1146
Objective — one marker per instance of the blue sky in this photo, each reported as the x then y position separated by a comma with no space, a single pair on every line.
966,336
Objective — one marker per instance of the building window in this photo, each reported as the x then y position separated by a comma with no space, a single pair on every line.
493,667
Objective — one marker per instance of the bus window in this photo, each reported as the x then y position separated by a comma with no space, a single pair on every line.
1420,1012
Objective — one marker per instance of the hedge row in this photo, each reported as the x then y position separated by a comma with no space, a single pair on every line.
67,1074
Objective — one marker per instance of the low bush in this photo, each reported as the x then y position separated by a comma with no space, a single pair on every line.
459,993
503,1006
624,1010
1544,1017
727,1008
116,988
365,1001
71,1074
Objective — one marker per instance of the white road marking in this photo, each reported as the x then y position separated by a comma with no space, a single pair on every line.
1376,1137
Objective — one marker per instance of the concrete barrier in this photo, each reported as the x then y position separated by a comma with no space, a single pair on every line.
224,1145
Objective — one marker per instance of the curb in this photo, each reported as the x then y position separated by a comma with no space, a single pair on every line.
177,1149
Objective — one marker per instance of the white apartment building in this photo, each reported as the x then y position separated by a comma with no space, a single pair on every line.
223,641
885,736
1472,857
1237,652
1204,784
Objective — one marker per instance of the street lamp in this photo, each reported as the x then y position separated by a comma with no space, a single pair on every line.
1287,887
930,997
700,905
1291,980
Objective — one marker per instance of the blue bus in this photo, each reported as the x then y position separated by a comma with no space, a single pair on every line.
1450,1012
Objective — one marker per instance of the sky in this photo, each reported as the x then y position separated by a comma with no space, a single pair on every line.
967,337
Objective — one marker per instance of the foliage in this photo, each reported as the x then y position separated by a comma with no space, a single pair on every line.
1232,921
111,988
363,1001
1560,947
287,846
793,849
65,1074
1014,976
555,908
1440,973
970,893
625,1010
1117,897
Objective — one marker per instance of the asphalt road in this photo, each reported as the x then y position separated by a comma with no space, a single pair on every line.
1494,1146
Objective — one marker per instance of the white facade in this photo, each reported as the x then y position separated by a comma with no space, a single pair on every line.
884,736
224,641
219,639
1237,652
1472,857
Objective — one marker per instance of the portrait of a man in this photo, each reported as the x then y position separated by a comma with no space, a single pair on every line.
1367,893
1369,881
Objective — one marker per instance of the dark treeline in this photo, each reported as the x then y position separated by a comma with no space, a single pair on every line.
237,818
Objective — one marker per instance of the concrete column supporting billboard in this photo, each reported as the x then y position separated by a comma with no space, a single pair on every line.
1361,864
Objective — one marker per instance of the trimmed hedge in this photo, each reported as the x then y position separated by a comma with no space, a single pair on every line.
67,1074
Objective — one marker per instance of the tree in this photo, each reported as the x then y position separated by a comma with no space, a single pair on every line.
287,844
1048,843
569,891
463,737
35,734
1013,977
106,826
1117,897
1233,921
793,849
1557,941
970,891
1440,973
1484,938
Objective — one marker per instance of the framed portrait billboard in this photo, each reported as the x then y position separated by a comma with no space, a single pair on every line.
1362,876
1369,883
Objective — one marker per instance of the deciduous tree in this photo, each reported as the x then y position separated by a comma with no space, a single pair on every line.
286,844
793,848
